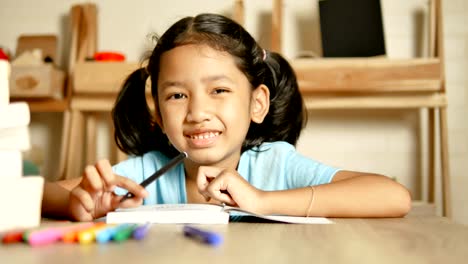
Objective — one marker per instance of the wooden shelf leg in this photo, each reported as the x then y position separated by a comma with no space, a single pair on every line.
446,193
91,134
75,145
431,156
64,145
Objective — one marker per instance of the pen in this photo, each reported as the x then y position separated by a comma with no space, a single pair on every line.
207,237
179,158
140,232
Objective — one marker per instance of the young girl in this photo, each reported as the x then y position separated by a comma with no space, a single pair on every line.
236,110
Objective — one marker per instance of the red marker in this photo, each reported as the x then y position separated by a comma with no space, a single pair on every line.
13,237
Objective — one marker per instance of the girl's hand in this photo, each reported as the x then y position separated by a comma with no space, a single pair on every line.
94,197
227,186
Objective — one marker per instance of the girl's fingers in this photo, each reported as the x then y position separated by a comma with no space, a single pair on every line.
133,202
219,189
84,198
205,175
99,177
80,214
91,179
104,168
131,186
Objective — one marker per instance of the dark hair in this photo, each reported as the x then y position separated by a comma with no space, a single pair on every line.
137,133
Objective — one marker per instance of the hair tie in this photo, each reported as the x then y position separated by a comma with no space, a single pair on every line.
264,54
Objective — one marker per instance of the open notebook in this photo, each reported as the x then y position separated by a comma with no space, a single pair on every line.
198,214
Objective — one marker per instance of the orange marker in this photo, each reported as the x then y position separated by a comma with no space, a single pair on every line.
71,236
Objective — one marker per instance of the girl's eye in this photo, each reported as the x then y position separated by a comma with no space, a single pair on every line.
220,90
177,96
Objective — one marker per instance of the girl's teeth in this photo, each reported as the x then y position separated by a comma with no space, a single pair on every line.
205,135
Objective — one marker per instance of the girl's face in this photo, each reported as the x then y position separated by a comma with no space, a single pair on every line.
206,104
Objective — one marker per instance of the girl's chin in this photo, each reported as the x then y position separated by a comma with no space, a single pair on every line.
206,157
205,160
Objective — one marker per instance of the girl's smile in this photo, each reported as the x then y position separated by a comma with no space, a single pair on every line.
202,138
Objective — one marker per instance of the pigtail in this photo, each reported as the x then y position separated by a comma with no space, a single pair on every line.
287,116
135,130
287,112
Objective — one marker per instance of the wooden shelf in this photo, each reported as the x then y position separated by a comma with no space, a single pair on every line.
374,101
44,105
357,75
101,77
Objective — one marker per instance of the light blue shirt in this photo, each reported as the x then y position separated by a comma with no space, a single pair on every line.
269,167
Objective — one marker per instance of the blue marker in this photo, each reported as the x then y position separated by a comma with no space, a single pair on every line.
141,231
207,237
107,234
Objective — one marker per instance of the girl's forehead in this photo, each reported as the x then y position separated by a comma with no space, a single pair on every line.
190,51
194,60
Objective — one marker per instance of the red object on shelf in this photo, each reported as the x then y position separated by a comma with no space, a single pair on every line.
109,56
3,55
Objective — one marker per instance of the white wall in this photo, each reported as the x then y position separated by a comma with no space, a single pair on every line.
378,141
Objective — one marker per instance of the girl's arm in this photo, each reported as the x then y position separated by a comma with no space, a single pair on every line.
350,194
56,198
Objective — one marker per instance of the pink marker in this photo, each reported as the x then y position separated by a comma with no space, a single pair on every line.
51,235
45,236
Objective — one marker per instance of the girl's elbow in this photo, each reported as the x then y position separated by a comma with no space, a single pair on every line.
403,203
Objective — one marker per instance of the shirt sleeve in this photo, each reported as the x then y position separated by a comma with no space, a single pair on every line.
303,171
278,166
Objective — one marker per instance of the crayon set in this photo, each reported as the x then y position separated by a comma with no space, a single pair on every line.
84,233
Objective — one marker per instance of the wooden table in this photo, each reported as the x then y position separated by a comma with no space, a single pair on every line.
413,239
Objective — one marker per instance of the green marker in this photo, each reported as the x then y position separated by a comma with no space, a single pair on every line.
124,233
26,235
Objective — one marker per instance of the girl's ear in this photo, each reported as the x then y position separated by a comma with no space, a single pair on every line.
260,103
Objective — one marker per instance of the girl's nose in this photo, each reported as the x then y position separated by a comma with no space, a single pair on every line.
198,110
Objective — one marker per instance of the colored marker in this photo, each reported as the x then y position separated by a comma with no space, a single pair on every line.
88,235
107,234
52,235
27,233
140,232
13,237
44,237
207,237
71,236
124,233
